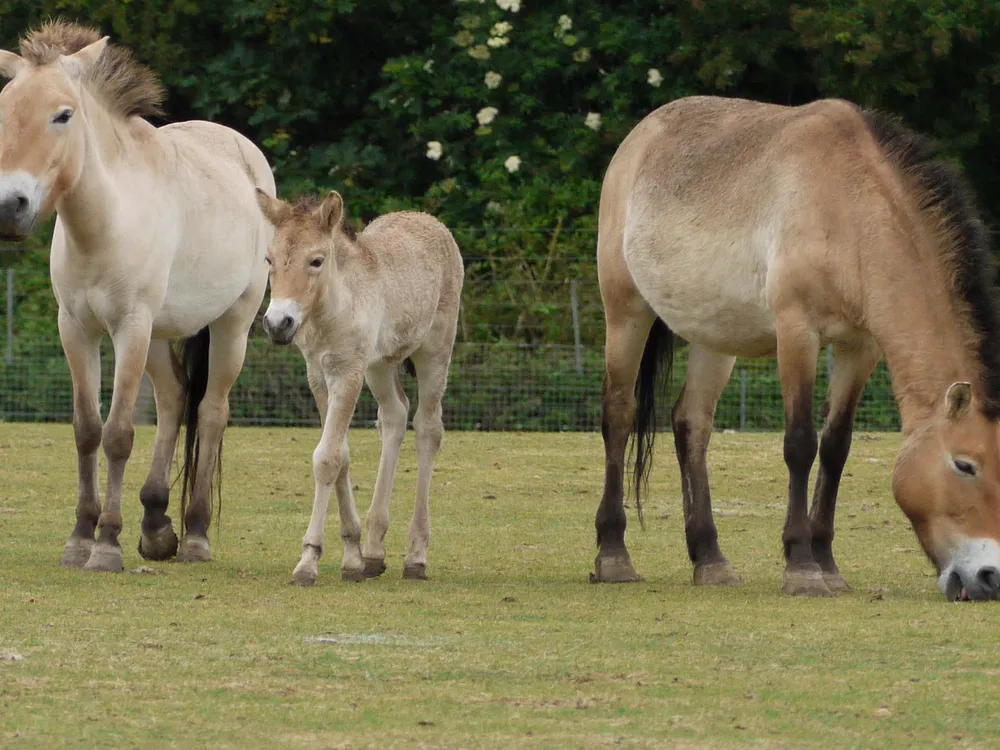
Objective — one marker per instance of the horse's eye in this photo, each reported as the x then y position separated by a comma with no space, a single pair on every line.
316,262
964,468
63,117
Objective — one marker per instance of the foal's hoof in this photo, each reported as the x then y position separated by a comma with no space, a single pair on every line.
835,583
415,572
805,581
373,567
305,575
354,575
160,545
105,558
614,569
194,549
716,574
76,553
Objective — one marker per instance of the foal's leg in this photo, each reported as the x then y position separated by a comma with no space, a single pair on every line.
851,370
798,347
226,351
393,411
625,340
131,343
432,379
331,461
158,540
692,418
83,355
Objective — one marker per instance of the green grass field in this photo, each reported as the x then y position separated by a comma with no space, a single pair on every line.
507,645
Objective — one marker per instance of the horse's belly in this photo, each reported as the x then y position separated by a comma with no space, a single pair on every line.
720,306
193,300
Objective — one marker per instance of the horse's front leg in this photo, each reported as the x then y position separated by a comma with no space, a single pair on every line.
131,344
331,463
83,355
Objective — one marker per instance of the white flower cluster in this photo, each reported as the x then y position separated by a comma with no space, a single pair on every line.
486,115
434,150
593,120
493,79
510,5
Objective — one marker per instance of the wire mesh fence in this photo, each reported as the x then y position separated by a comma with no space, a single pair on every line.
529,357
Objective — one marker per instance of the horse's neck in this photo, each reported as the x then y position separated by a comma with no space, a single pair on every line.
923,339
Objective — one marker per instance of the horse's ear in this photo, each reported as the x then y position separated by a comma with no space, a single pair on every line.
80,62
10,64
331,211
274,210
958,400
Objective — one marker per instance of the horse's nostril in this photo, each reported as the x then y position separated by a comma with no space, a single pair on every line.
22,204
990,579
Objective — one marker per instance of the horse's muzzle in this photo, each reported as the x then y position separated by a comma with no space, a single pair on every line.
16,216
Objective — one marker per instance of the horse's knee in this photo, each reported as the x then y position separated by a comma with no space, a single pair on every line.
117,439
326,465
87,432
429,428
392,420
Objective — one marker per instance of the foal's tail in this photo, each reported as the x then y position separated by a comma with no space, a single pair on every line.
194,360
654,378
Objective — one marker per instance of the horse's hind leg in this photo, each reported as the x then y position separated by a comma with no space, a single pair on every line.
393,412
83,355
158,540
432,378
625,340
692,419
851,369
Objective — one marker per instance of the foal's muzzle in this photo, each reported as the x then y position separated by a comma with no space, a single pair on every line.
282,320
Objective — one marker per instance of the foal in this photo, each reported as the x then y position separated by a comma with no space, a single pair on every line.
358,306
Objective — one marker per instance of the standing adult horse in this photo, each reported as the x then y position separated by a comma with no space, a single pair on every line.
158,237
753,230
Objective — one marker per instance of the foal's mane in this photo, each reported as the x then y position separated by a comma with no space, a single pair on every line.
306,204
944,195
126,87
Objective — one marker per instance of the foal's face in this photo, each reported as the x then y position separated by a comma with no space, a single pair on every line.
301,259
41,136
947,481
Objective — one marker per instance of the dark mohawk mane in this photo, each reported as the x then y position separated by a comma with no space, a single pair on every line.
124,86
306,204
945,196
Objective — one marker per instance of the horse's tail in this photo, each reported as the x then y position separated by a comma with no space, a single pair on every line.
654,379
194,360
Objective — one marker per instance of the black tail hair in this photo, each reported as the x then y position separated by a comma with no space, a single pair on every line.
194,360
409,367
653,380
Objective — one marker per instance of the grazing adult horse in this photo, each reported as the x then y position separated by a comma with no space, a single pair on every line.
158,237
357,307
754,230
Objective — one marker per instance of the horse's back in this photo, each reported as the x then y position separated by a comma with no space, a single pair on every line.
708,198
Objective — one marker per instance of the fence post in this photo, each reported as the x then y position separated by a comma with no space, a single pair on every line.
574,304
743,400
10,315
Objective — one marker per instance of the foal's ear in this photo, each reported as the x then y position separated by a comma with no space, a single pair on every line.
958,400
10,64
274,210
80,62
331,211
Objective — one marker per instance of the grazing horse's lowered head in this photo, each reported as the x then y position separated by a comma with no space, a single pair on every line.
302,257
43,113
947,481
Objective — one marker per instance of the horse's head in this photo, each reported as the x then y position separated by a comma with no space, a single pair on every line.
41,135
302,259
947,481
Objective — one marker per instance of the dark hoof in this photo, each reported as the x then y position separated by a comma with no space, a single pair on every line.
353,575
716,574
416,572
194,549
160,545
835,583
76,553
614,569
105,558
373,568
304,577
805,581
